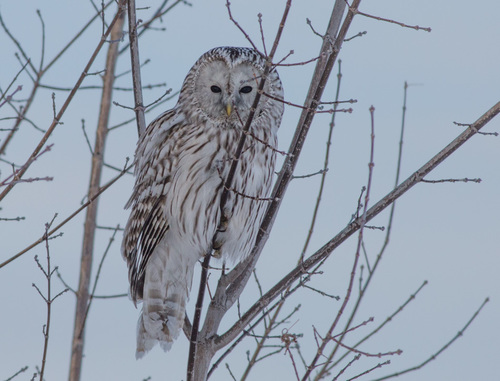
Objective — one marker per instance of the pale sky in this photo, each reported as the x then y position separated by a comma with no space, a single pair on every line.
448,234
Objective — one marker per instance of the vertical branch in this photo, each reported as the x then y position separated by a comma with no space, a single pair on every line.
48,300
362,223
48,272
231,286
325,165
327,366
275,315
198,363
193,340
90,220
136,68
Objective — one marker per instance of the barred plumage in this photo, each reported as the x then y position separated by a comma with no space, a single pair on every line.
181,162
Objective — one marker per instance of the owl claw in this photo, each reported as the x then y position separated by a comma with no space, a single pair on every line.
217,253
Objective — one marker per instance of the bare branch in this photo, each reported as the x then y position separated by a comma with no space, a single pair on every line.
356,358
48,299
15,176
320,172
360,34
61,112
262,34
13,219
416,27
87,138
136,68
464,180
379,365
326,163
22,370
228,5
10,96
441,350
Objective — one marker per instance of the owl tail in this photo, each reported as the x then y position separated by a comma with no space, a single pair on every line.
166,289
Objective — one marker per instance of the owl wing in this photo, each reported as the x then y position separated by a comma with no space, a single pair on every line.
148,223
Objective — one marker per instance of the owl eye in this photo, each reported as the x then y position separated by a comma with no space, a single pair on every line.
215,89
246,89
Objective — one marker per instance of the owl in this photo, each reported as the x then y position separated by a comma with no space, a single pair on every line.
181,162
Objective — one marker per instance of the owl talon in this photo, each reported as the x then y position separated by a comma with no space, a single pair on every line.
217,253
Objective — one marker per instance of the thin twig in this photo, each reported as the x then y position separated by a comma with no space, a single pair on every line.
441,350
464,180
96,279
15,174
360,34
9,97
13,219
416,27
320,172
230,373
330,111
22,370
351,349
356,358
48,299
228,5
379,365
259,16
87,138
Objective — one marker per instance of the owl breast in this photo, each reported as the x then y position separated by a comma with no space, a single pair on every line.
203,158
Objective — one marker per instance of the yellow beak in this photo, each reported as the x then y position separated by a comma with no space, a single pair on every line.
229,109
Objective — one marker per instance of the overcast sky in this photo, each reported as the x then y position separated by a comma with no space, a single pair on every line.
447,234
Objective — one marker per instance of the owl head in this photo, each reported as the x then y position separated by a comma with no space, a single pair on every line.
223,83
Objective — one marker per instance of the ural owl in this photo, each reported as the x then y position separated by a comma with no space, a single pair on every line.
181,162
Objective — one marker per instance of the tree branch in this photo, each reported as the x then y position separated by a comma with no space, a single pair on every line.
136,68
354,226
232,285
83,294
